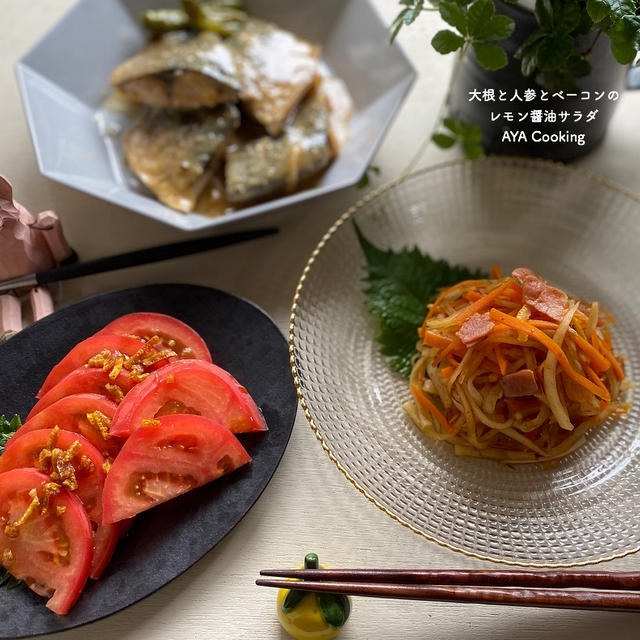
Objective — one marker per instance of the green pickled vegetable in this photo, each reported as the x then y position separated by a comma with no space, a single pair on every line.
222,16
163,20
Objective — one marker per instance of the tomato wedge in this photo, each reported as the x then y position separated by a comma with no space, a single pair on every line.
83,380
89,475
52,550
160,462
70,413
84,351
189,386
188,343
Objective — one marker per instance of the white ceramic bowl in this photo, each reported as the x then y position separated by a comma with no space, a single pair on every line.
64,81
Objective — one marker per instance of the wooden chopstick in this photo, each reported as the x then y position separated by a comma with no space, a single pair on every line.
506,587
133,258
629,580
555,598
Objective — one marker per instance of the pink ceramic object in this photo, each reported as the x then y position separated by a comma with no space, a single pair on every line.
27,244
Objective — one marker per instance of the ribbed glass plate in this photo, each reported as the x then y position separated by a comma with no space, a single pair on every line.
579,232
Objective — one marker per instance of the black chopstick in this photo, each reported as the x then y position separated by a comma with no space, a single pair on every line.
133,258
629,580
553,598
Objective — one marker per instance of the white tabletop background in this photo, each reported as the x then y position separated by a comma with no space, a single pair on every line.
309,505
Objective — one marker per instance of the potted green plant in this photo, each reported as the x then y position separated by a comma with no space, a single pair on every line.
531,78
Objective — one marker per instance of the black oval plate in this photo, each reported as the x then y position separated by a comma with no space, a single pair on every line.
244,341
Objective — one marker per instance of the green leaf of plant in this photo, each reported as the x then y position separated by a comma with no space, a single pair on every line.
335,608
472,133
566,15
528,43
623,50
399,285
598,10
529,63
472,150
625,39
443,140
407,16
490,56
553,51
544,14
620,8
496,28
7,429
8,581
452,13
446,41
453,125
478,15
292,600
396,25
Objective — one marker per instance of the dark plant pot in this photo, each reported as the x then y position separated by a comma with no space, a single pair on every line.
558,140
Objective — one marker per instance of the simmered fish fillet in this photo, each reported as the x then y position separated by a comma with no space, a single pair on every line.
337,99
275,70
175,152
268,165
180,71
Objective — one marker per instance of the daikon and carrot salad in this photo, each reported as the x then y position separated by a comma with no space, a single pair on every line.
514,369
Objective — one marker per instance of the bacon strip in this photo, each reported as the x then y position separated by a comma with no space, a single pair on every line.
545,299
520,383
475,328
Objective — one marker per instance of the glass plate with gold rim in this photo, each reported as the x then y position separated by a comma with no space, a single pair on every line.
578,231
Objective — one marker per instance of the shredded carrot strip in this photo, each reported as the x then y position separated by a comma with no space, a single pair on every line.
456,343
471,295
544,324
434,340
427,404
502,361
599,362
557,351
479,305
594,376
599,344
447,371
496,272
446,291
513,294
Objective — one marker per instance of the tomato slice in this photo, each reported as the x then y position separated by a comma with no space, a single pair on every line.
189,386
84,351
188,342
89,474
70,413
52,550
83,380
165,460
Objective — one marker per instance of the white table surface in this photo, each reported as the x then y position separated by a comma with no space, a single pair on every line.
309,505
